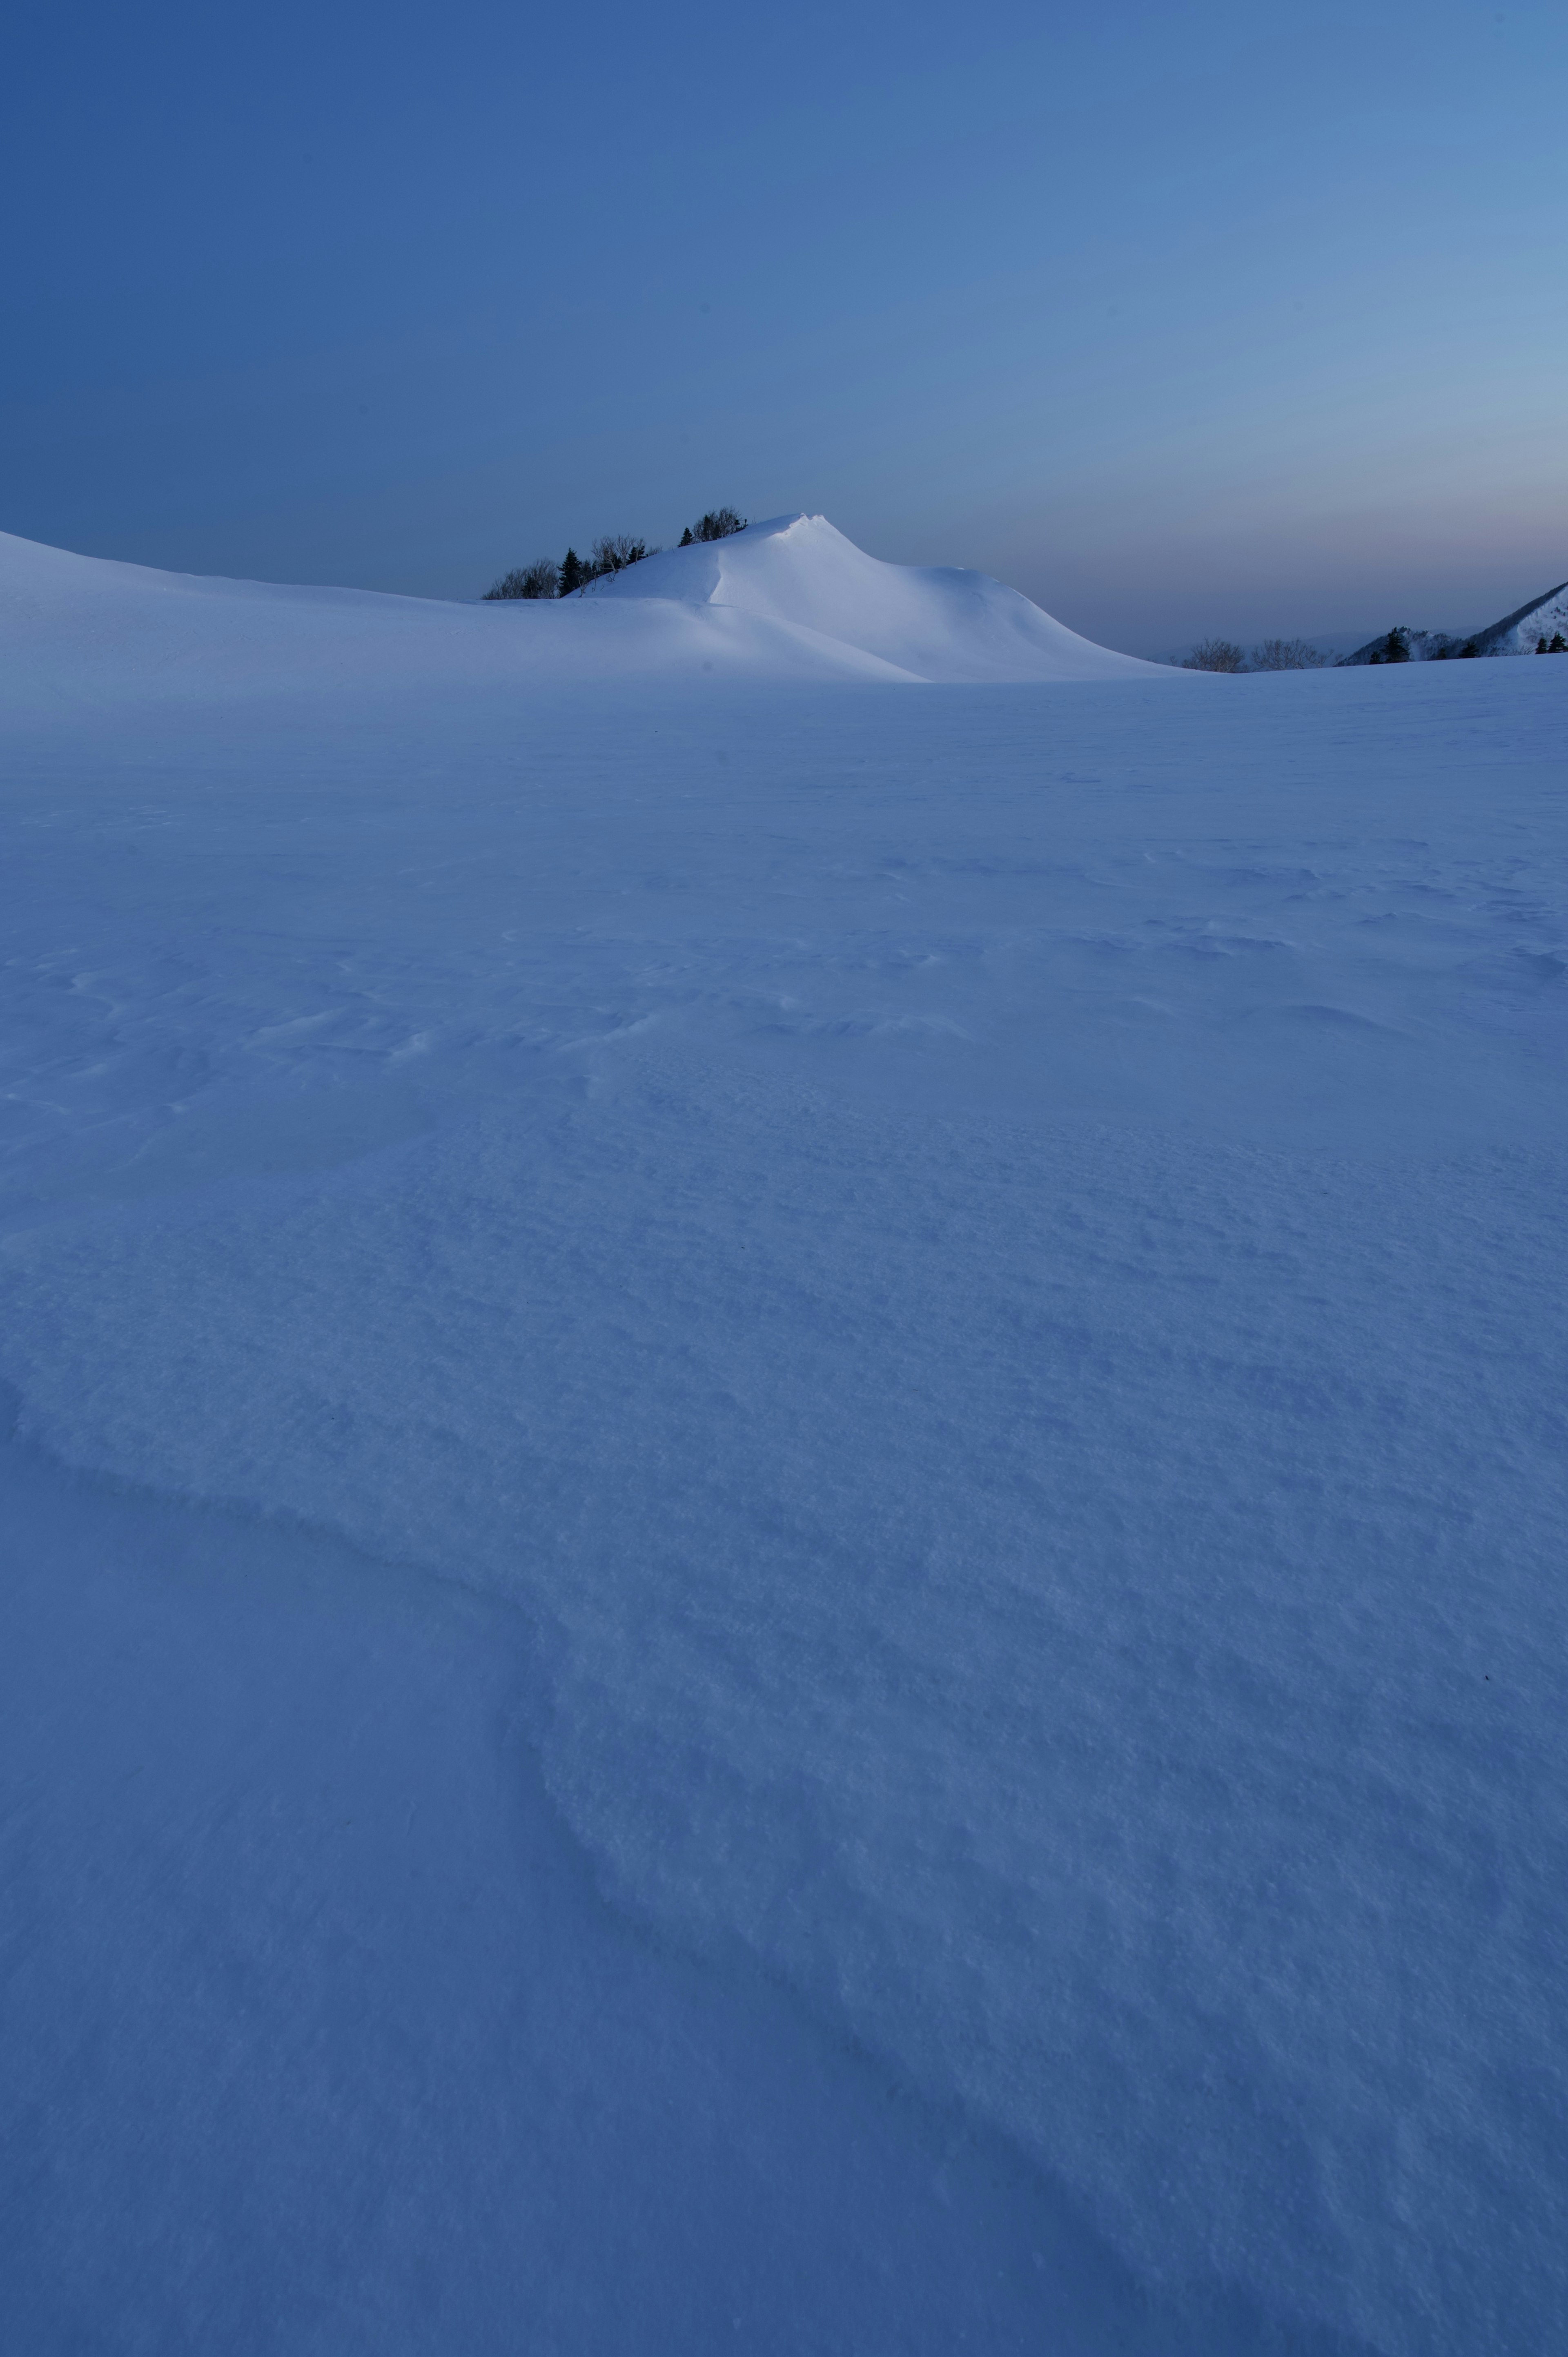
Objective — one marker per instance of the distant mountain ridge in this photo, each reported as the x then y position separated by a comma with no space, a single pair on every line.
1519,633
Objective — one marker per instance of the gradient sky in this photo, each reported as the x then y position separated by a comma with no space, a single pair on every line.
1184,318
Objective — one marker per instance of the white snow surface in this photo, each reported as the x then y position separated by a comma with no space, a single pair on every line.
784,1511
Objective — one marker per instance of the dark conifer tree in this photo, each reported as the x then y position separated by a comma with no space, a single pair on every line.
573,573
686,537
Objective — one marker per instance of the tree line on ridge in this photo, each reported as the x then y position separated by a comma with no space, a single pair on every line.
611,553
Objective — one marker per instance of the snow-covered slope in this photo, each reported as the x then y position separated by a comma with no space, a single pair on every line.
1519,633
935,622
781,1539
791,600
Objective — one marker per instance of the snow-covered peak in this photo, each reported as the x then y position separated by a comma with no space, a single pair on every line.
935,622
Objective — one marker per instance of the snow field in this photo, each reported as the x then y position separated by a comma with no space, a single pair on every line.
957,1297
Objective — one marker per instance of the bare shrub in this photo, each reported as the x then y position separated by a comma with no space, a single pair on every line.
535,580
1286,654
615,552
718,524
1216,654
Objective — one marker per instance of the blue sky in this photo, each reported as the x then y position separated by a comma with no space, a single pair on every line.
1183,320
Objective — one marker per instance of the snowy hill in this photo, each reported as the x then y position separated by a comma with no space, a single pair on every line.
933,622
70,622
792,599
1519,633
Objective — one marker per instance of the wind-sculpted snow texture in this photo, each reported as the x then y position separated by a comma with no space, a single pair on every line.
787,1494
